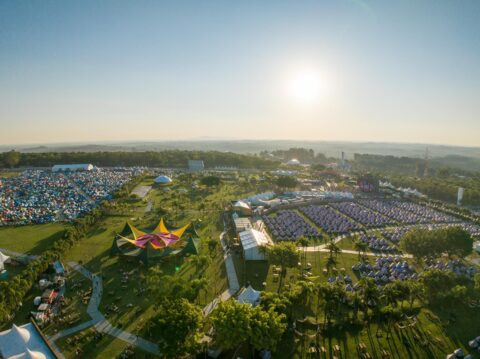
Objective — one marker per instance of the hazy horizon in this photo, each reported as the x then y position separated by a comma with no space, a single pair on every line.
339,71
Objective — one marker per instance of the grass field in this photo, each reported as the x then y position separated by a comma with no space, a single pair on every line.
180,205
33,239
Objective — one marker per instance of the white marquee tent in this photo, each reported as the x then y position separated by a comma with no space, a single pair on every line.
249,296
3,259
252,243
24,342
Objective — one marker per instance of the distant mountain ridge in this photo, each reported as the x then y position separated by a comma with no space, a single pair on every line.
330,149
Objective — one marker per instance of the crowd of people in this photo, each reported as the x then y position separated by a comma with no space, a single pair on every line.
37,196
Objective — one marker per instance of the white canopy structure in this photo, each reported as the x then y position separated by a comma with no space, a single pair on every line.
3,259
252,243
73,167
242,207
249,296
24,341
293,162
163,180
476,246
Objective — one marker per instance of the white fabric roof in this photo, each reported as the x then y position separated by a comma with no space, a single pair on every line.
163,179
23,342
73,167
252,238
3,257
249,296
241,204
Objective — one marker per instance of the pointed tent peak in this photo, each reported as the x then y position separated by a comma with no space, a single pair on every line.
136,232
161,227
180,231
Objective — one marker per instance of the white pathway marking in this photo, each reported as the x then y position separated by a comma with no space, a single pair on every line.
99,321
233,284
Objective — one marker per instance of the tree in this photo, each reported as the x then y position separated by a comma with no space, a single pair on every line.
284,254
333,249
11,158
210,181
457,241
286,182
477,281
178,328
235,323
418,243
303,241
267,328
360,247
231,323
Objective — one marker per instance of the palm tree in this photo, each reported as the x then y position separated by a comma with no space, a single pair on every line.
360,247
415,291
303,241
369,293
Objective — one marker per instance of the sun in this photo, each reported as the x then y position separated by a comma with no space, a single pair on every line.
305,86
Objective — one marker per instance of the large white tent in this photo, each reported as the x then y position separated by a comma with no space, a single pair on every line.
252,243
73,167
3,259
24,342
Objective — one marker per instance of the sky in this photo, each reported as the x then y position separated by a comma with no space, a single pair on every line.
349,70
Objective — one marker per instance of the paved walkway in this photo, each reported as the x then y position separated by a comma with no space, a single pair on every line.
233,285
99,321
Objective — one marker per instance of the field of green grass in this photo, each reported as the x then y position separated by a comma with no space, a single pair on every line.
32,239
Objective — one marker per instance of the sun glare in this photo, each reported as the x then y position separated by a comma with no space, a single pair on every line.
305,86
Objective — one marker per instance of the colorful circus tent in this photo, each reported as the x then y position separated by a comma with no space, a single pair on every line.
160,243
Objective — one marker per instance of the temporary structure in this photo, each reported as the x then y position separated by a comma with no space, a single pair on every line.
163,180
24,341
249,296
3,259
252,243
242,208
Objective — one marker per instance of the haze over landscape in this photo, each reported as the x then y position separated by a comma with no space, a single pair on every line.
312,70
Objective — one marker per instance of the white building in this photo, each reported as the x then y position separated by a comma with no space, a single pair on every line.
24,341
73,167
196,165
252,243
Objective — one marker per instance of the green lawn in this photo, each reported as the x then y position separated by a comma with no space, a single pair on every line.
33,239
94,253
105,347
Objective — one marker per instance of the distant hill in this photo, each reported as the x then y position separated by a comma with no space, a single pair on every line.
330,149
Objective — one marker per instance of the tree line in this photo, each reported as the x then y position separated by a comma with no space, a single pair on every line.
167,158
